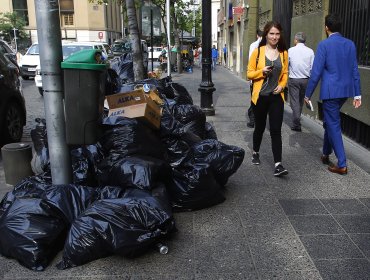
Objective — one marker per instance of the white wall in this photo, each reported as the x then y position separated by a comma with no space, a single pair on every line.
215,7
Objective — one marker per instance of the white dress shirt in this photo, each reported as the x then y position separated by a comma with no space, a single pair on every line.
300,61
254,46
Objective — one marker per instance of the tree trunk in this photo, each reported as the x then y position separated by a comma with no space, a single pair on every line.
137,54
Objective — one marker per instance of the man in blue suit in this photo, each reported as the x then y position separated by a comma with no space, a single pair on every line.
335,64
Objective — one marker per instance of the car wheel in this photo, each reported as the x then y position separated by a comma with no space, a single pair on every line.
41,91
13,123
25,77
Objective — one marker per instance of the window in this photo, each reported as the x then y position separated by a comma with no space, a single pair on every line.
21,9
356,25
66,6
67,20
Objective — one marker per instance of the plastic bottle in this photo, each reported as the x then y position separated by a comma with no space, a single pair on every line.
162,249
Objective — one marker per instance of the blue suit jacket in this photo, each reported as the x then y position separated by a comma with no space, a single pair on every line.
335,64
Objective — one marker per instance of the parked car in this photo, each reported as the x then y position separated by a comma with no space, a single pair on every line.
12,104
69,48
29,62
156,52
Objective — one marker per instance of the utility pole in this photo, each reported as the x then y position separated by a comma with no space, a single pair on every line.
15,39
49,38
168,38
206,86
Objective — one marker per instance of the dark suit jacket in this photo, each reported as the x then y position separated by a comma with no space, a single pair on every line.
335,64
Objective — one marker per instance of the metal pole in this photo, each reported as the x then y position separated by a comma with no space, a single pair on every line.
122,25
151,32
15,39
168,38
206,87
49,38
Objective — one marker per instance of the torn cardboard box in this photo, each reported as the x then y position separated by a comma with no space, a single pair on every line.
135,104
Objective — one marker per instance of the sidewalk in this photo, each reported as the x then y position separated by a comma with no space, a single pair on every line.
310,224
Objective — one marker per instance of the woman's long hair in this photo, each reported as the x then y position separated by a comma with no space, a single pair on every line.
281,46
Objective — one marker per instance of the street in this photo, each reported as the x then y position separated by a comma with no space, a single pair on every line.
34,106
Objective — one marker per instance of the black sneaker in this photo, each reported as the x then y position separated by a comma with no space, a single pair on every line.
250,124
280,171
256,159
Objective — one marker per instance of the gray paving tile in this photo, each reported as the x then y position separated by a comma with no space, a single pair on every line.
315,224
290,275
211,222
366,201
302,206
227,276
280,253
345,206
350,269
330,247
363,242
223,253
354,223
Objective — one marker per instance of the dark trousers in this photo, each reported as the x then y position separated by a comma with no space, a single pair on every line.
297,89
273,106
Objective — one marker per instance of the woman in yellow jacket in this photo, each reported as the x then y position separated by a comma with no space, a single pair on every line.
268,69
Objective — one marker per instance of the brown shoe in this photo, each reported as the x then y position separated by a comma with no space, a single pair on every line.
325,159
336,169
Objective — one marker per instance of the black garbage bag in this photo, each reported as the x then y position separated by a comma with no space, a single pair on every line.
40,162
124,67
142,172
31,187
224,159
126,226
182,96
113,82
110,192
69,201
192,117
194,187
170,127
178,152
125,136
31,232
210,132
34,226
85,162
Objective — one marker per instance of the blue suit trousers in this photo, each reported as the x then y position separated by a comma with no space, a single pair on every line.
333,133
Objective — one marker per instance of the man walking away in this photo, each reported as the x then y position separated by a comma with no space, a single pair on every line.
336,65
214,57
300,65
200,55
252,47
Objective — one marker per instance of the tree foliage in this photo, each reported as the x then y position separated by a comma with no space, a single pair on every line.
8,21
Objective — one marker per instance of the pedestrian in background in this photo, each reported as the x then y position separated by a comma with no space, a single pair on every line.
335,64
200,55
300,65
214,57
268,70
252,47
224,50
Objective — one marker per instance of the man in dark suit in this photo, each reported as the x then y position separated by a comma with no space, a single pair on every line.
335,64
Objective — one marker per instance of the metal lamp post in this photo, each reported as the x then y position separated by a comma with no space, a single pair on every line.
206,87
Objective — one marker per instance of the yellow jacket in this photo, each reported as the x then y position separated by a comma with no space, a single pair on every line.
255,73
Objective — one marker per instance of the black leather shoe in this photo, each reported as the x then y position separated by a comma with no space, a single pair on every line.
336,169
325,159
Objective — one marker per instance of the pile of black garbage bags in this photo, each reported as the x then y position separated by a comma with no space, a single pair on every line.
125,188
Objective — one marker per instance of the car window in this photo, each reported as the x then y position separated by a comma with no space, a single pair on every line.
33,50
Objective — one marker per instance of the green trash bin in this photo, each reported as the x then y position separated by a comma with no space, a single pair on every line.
84,91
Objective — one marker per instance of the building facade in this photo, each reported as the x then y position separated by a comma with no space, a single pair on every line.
79,19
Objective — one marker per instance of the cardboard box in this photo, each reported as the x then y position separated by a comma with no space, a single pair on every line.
135,104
